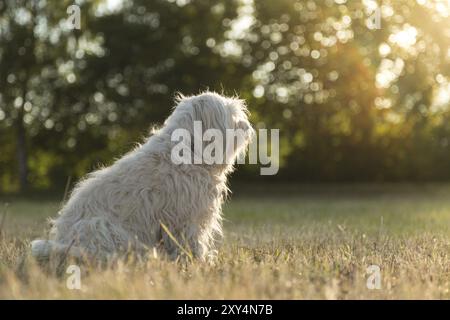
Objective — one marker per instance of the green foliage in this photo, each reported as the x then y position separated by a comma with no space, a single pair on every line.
351,102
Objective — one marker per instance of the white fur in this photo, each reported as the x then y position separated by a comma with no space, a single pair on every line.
122,207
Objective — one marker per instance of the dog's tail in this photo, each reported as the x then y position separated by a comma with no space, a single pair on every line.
44,250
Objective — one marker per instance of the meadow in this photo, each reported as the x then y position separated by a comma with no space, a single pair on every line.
281,242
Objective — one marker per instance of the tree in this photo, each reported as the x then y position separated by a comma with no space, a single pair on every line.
352,102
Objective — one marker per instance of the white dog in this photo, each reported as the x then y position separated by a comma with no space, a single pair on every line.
145,200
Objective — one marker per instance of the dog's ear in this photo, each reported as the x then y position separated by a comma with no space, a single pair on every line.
188,117
211,113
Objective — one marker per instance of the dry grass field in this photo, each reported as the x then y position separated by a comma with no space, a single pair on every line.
281,242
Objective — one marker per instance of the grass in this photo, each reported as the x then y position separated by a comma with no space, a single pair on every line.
281,242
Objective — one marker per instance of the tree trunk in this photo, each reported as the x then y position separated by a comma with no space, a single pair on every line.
22,160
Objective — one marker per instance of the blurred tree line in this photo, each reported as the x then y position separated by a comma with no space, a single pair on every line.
353,102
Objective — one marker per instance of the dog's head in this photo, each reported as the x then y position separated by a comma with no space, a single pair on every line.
212,118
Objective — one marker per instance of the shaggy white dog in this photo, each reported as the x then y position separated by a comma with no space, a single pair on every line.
146,201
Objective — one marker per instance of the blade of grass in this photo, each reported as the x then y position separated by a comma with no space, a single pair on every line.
66,190
171,236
